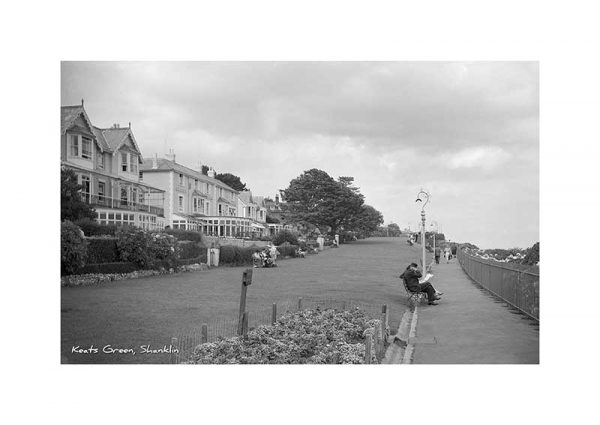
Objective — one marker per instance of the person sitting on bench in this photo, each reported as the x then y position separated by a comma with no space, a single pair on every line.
411,275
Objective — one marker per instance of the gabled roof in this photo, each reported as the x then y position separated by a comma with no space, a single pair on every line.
245,196
101,140
116,137
68,116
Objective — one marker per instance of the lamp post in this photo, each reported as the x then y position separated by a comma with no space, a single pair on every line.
434,234
426,196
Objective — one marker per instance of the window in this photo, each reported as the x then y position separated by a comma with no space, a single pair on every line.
142,197
180,203
134,195
195,183
86,148
124,161
181,180
74,145
220,209
133,168
221,192
101,161
101,191
141,175
85,190
207,208
124,196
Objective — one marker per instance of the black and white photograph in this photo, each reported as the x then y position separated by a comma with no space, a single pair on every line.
277,212
300,212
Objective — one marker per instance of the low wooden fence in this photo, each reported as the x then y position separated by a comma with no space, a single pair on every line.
184,344
516,285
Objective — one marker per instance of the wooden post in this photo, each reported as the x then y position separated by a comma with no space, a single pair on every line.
204,333
246,281
173,354
300,304
384,320
245,325
274,314
368,343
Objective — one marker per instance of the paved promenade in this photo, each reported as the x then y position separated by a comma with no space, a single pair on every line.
470,326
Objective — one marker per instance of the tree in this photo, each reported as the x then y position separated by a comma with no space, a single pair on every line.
72,207
394,229
272,220
232,181
316,198
205,170
366,221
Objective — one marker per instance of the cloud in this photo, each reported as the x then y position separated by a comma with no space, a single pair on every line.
484,157
457,127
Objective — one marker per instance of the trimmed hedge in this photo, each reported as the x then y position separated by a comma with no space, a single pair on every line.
102,250
287,250
190,249
106,268
285,236
236,255
184,235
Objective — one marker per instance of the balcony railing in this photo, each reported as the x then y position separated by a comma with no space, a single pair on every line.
104,201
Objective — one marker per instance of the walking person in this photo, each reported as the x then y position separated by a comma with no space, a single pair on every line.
411,275
437,252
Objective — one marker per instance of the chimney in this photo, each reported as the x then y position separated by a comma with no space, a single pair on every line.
115,125
211,172
130,125
171,155
155,161
81,102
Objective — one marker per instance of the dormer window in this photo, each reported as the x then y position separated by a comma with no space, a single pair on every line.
124,161
86,148
133,166
74,145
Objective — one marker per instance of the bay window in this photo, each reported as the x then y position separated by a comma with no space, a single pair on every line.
124,161
74,145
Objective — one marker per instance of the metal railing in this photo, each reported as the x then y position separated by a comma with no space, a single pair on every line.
105,201
519,288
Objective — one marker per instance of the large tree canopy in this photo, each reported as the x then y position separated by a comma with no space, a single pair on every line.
366,221
232,181
316,198
72,207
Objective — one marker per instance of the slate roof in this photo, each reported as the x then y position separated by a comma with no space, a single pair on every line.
167,165
101,140
115,136
68,114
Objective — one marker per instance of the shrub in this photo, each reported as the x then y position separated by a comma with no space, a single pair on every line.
532,257
164,248
235,255
287,250
133,245
93,228
73,248
304,337
102,250
184,235
285,236
189,249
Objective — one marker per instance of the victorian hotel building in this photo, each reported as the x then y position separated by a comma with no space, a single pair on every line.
197,201
106,162
151,193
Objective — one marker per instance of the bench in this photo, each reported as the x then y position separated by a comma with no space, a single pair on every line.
415,297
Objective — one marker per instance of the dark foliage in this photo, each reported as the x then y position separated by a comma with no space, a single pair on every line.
73,248
184,235
532,257
72,207
236,256
93,228
102,250
232,181
189,249
285,236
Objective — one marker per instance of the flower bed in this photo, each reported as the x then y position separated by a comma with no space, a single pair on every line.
304,337
97,278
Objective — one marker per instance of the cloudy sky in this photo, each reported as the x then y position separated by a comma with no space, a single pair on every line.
466,132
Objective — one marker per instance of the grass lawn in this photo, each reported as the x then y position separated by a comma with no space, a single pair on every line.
151,310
